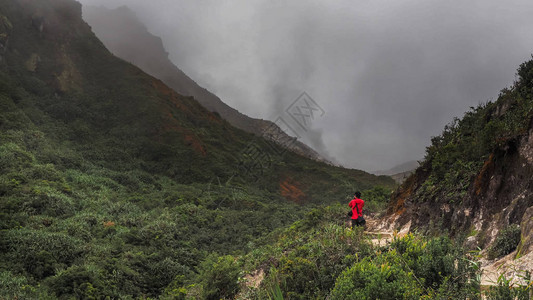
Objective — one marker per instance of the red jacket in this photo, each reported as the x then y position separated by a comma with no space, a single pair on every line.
359,203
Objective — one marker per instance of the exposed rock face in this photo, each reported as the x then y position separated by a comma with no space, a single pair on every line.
503,190
125,36
526,242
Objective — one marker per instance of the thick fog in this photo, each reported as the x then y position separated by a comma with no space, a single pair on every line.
389,74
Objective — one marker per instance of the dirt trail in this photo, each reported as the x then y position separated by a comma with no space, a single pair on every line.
379,235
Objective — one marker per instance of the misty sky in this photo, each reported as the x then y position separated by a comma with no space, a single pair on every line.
389,74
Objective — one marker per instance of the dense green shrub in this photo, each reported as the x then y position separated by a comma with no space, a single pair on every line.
14,158
411,267
219,277
506,241
382,277
376,199
46,200
37,252
82,282
300,277
45,172
438,263
17,287
304,260
177,290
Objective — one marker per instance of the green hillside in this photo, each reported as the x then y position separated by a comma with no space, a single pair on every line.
128,38
112,184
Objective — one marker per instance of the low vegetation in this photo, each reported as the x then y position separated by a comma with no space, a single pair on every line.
319,257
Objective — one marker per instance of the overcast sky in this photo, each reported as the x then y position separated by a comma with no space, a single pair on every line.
389,74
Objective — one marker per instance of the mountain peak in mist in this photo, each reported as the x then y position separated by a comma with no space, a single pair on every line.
401,168
128,38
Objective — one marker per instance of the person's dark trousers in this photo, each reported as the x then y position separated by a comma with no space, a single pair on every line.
356,223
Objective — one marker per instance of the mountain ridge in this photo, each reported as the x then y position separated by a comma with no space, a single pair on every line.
127,37
401,168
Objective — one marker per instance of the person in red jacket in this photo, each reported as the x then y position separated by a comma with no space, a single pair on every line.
357,209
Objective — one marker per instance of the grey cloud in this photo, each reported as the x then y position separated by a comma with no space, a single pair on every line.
389,74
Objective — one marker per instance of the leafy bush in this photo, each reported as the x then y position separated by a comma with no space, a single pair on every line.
382,277
17,287
83,282
506,242
46,200
300,275
39,253
438,263
219,277
14,158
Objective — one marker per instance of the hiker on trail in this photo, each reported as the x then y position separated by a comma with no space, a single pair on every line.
357,210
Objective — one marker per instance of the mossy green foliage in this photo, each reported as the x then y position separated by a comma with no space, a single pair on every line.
456,156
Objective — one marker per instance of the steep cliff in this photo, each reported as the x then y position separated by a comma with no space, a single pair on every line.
477,177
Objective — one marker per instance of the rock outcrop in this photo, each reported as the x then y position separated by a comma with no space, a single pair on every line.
491,191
